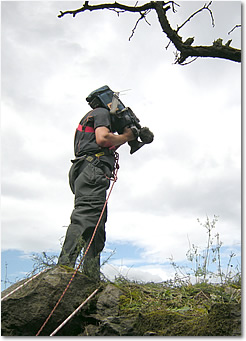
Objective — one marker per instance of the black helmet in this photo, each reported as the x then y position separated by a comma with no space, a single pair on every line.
103,97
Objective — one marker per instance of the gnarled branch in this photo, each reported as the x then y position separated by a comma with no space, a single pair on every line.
115,6
216,50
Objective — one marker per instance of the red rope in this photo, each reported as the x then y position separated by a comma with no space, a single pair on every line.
93,235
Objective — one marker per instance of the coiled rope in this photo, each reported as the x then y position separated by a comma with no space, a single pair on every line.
93,235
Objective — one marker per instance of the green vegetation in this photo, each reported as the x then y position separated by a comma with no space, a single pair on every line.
146,298
206,263
167,309
179,308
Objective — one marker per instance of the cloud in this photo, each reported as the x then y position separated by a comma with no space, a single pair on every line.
146,274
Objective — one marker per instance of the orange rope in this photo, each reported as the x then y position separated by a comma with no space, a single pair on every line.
93,235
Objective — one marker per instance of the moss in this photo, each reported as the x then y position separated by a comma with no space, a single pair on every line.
220,321
67,268
189,310
224,319
167,323
131,302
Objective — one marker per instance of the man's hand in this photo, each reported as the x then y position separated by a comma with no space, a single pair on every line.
129,134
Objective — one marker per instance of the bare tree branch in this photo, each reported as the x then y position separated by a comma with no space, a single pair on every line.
214,51
236,26
194,59
87,7
143,16
185,50
198,11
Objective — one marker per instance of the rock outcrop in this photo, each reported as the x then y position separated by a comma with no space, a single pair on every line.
25,311
105,314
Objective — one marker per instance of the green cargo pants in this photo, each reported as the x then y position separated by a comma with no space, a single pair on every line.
89,184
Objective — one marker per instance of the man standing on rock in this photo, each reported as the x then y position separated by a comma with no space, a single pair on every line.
89,179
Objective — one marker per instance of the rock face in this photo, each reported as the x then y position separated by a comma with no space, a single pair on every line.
25,311
108,321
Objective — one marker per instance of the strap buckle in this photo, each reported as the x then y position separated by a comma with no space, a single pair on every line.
99,154
93,160
89,158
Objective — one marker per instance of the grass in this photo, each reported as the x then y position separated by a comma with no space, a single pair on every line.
165,309
149,297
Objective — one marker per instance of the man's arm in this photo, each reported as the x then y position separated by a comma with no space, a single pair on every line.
106,139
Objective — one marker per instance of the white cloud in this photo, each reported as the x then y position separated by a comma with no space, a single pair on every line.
161,236
143,274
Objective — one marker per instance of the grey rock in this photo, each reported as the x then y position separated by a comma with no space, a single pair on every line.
24,312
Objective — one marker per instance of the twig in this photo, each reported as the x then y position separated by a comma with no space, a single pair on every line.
143,16
168,45
173,4
236,26
198,11
183,64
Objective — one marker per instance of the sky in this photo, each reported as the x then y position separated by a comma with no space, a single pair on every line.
191,171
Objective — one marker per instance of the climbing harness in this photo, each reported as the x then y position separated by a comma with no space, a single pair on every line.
22,285
116,168
73,313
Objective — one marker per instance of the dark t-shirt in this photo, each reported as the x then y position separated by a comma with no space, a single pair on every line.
85,139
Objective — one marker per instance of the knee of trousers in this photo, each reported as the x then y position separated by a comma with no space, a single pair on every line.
74,238
87,215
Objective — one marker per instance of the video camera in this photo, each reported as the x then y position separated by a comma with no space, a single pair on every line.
121,116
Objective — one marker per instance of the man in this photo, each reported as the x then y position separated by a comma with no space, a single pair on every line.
89,175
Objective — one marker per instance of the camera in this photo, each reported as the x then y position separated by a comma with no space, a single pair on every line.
121,116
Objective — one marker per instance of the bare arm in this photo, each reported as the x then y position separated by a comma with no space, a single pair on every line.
105,138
